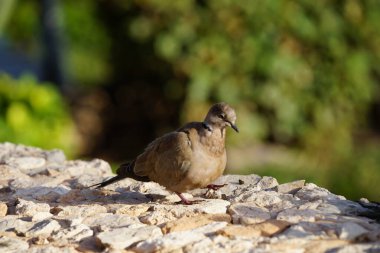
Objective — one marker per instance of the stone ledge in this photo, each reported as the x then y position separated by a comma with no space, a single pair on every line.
45,207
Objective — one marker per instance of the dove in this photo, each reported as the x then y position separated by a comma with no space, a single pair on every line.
191,157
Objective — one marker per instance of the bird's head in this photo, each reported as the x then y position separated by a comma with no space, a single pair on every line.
221,115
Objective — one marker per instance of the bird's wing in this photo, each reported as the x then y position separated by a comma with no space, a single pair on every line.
166,160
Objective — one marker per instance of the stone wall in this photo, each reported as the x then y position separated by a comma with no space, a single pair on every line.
46,207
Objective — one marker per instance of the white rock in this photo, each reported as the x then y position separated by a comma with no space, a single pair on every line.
14,223
41,216
81,210
312,192
121,238
359,248
294,215
260,198
74,233
223,244
210,228
42,193
344,206
350,231
169,241
95,167
248,213
304,231
291,187
212,206
239,180
30,208
54,156
51,249
160,213
11,244
111,221
266,183
3,209
43,228
27,164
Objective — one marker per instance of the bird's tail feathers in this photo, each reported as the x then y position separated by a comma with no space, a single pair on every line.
105,183
125,170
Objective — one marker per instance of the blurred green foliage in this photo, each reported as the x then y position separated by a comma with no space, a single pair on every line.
35,114
300,73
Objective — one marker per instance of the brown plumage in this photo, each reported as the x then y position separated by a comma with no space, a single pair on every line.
188,158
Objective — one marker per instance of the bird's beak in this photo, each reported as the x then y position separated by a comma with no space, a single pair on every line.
233,126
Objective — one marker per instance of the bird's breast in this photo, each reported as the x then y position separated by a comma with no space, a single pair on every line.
206,168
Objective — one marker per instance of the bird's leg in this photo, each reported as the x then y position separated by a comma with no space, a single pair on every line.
185,201
215,186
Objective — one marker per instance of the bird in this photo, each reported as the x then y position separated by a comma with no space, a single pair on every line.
188,158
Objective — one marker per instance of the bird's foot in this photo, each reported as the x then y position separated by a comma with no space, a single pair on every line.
215,187
186,201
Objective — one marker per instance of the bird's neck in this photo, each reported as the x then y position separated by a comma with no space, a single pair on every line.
213,138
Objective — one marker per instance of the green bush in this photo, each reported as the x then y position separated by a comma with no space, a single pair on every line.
35,114
298,71
301,74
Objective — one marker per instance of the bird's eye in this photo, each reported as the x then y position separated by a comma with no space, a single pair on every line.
222,116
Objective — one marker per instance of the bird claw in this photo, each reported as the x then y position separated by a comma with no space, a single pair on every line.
186,201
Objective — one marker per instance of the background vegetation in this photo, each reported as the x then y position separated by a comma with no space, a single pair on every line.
302,75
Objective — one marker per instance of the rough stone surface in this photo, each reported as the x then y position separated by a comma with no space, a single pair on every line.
121,238
46,207
3,209
11,244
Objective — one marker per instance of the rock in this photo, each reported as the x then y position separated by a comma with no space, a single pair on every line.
81,210
46,207
169,242
261,198
11,244
95,167
14,223
8,173
73,233
350,231
266,228
51,249
302,231
266,183
121,238
132,210
54,156
311,192
291,187
271,227
294,215
44,228
30,208
29,165
238,231
40,216
109,221
187,223
221,244
358,248
159,214
304,245
238,180
3,209
248,213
